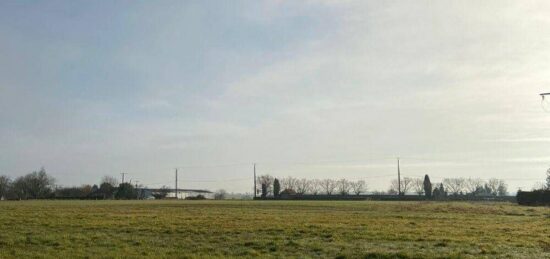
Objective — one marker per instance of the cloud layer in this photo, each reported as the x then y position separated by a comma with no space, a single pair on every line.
89,89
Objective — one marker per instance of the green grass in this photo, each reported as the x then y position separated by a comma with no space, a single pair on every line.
272,229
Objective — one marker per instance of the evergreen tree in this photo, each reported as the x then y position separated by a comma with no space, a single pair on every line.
126,191
276,187
427,186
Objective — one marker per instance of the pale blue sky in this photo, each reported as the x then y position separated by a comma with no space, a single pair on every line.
303,88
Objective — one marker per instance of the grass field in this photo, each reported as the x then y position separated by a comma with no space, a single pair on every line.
272,229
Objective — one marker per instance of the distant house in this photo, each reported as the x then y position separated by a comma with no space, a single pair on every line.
181,194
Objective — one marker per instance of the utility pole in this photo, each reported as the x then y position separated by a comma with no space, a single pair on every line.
176,183
398,177
123,176
254,180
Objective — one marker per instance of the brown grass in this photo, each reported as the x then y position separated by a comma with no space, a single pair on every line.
272,228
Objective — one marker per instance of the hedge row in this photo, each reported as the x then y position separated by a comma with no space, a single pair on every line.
534,198
385,197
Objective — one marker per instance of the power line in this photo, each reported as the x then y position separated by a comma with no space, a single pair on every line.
213,166
469,177
373,176
221,180
323,161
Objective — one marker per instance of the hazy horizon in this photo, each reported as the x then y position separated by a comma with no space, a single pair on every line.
309,89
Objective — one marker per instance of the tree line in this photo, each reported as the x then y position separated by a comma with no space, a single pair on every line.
40,185
269,186
450,186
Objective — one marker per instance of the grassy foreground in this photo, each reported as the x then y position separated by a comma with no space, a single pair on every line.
272,228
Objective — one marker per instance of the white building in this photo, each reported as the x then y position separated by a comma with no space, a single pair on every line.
171,193
190,193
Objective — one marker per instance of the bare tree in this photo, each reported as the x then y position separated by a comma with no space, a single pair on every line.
471,185
266,181
538,186
502,188
406,185
328,185
548,179
358,187
454,185
220,194
418,186
493,185
394,187
393,190
5,183
303,186
110,180
290,183
343,186
315,186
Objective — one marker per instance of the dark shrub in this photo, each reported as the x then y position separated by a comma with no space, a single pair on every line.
126,191
198,197
534,198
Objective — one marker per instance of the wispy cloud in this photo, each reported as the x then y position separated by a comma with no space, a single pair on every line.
143,87
520,140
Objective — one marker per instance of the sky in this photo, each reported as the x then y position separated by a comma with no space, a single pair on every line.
309,89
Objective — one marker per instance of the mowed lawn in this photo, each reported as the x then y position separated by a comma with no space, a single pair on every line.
357,229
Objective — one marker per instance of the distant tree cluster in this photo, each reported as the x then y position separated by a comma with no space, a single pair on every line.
221,194
407,185
40,185
450,186
271,186
36,185
475,187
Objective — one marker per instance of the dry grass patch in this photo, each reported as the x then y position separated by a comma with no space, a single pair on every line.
272,228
